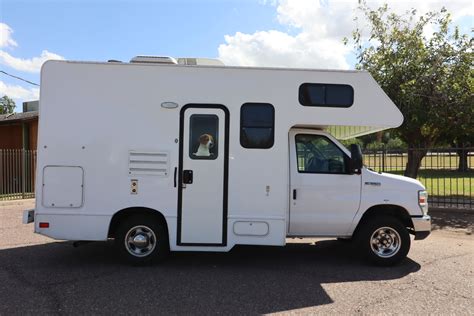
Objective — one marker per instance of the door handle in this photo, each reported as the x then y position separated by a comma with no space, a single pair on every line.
187,176
175,172
294,194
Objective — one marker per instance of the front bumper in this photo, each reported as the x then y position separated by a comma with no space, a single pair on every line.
421,226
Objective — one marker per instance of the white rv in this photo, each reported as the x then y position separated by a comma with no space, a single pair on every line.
190,155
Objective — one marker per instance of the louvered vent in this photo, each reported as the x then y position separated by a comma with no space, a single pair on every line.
148,163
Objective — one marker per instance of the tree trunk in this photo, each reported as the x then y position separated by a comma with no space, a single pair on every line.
415,156
379,137
462,153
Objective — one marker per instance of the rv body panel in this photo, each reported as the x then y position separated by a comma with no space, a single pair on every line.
118,123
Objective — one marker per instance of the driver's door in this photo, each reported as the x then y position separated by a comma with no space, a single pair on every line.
324,195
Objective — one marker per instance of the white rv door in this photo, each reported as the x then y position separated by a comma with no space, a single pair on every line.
202,195
324,196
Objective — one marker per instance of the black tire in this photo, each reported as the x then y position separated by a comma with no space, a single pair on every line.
379,232
344,240
153,235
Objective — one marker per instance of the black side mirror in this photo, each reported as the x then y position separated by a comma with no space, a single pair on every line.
356,159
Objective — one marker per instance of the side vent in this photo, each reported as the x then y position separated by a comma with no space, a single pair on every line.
148,163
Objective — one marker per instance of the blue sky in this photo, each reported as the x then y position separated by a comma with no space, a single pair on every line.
292,33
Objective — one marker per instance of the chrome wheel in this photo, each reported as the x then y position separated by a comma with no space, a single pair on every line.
140,241
385,242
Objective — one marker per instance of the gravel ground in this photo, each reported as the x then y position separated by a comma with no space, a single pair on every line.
317,276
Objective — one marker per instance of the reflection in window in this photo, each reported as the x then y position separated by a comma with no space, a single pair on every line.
317,154
257,122
203,136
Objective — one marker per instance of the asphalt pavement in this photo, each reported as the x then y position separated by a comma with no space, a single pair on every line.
317,276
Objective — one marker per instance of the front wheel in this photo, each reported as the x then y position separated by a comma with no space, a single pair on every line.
384,240
142,239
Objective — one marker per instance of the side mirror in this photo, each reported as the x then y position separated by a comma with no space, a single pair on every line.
356,159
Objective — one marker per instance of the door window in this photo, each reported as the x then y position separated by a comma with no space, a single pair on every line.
203,136
318,154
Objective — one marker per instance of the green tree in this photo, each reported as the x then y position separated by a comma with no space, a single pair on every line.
7,105
429,78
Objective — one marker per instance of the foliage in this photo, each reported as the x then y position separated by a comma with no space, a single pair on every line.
428,76
396,143
349,142
7,105
368,142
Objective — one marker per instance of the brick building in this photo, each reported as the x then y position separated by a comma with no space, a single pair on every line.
20,130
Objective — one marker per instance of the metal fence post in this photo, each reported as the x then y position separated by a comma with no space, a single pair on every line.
384,153
2,189
23,174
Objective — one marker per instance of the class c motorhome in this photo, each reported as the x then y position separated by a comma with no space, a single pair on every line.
190,155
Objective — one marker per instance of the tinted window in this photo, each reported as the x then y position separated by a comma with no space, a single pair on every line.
203,136
257,122
331,95
318,154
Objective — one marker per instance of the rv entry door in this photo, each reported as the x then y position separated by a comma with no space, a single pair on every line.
202,195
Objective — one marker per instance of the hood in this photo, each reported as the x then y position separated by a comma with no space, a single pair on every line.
389,180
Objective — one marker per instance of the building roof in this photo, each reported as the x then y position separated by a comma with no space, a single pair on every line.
18,117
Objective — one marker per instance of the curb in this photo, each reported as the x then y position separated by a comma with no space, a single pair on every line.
16,202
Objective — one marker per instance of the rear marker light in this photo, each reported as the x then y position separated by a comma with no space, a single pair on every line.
43,225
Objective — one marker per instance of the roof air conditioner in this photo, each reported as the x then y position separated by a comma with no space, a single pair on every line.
153,60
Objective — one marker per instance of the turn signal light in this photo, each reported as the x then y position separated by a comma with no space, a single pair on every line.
43,225
423,201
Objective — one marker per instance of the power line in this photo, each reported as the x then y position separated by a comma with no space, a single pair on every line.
13,76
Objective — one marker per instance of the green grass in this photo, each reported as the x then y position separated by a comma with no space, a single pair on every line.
446,182
437,172
397,162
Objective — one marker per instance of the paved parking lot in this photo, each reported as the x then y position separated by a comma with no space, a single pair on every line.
39,275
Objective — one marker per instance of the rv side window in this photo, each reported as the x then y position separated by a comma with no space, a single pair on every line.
318,154
257,124
203,136
330,95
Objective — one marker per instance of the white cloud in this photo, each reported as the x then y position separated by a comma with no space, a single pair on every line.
33,65
315,33
28,64
18,93
6,39
275,48
21,64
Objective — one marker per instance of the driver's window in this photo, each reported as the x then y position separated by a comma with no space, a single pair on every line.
318,154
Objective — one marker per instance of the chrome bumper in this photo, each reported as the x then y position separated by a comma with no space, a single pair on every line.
421,226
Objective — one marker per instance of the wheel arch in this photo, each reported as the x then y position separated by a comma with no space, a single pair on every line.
396,211
128,212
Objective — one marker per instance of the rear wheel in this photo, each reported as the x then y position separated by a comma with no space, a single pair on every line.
142,239
384,240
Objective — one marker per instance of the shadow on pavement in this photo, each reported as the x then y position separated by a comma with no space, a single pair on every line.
455,220
57,278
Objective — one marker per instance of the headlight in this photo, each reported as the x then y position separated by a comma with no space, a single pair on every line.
423,201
